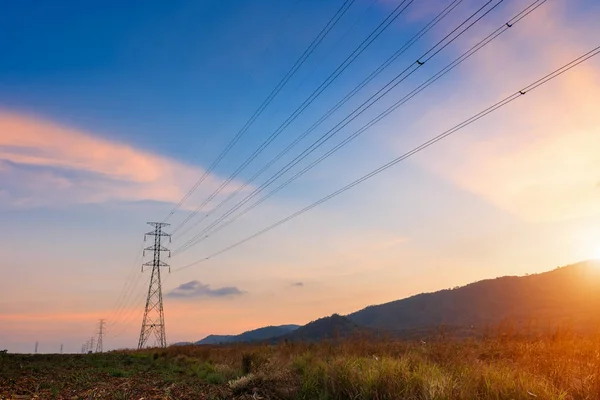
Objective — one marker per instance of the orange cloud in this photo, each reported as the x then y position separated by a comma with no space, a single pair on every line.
111,171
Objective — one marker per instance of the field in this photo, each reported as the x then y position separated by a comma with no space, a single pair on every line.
558,366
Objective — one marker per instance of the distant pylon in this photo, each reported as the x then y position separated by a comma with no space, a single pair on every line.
99,348
61,348
36,347
92,341
154,320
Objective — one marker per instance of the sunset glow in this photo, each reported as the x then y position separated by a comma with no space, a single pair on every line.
114,116
597,254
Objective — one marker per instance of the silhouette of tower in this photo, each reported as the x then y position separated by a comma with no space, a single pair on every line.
154,320
99,348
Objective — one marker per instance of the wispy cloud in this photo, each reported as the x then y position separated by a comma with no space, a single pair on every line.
43,163
298,284
195,289
541,162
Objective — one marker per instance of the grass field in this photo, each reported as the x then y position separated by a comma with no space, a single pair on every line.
559,366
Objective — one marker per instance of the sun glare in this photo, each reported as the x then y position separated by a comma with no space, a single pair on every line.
591,247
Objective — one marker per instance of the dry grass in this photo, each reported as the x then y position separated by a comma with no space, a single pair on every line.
503,365
500,366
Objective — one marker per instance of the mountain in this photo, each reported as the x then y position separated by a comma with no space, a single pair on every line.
335,326
259,334
567,296
217,339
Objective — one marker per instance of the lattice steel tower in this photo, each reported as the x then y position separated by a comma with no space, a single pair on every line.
99,346
154,320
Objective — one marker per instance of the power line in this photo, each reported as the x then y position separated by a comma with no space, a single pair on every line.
136,297
396,12
357,112
127,324
299,62
132,305
556,73
89,345
399,78
337,44
128,294
127,287
343,101
133,312
130,299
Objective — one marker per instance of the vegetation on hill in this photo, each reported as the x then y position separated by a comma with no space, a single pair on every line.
565,296
259,334
332,327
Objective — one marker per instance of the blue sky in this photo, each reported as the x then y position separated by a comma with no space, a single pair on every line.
184,63
110,112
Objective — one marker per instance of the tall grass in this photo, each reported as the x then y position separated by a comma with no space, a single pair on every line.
501,366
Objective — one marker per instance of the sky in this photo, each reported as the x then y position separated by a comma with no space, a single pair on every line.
110,112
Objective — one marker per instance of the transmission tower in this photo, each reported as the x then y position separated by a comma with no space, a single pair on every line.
99,348
61,348
154,320
92,341
36,347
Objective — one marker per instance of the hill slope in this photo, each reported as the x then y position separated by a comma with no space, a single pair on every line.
567,296
264,333
335,326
